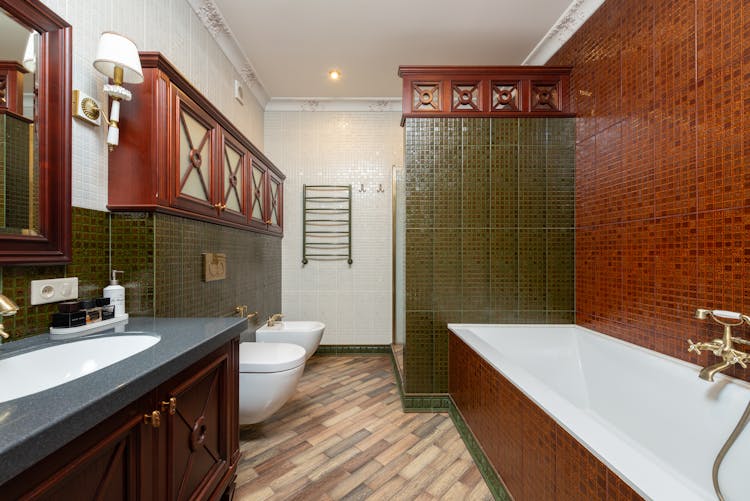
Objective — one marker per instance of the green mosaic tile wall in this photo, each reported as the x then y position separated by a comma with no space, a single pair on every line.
161,257
490,238
14,173
90,263
253,270
133,253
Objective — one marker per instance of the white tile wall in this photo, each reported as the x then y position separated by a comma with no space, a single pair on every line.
339,148
168,26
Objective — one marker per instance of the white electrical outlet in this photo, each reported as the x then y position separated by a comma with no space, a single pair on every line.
54,290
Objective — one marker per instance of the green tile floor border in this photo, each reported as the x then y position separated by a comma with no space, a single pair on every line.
444,403
489,474
418,402
350,349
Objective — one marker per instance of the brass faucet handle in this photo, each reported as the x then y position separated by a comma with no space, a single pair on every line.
252,315
695,347
3,333
714,347
737,357
241,310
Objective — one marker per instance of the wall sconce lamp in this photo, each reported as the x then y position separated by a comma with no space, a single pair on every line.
117,58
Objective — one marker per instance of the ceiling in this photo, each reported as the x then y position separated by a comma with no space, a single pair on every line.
292,44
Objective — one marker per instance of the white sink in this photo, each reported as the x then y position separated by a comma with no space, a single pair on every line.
302,333
34,371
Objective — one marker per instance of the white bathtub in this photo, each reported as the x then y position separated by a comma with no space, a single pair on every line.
647,416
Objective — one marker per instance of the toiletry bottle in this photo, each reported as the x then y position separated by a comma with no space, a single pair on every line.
116,294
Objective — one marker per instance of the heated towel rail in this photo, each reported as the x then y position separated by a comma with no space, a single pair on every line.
326,222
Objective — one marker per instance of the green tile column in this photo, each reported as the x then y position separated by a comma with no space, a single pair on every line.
489,231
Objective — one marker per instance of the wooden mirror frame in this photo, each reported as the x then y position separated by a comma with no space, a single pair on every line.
53,245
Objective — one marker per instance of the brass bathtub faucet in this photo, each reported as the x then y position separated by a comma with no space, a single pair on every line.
723,347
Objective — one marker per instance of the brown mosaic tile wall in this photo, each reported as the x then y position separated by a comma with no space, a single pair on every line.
662,205
161,257
489,231
90,263
535,457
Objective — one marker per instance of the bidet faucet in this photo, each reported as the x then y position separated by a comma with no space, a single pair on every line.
723,347
276,317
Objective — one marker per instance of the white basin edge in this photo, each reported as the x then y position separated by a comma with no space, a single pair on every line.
37,370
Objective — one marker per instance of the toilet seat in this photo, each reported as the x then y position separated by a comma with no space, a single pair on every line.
270,357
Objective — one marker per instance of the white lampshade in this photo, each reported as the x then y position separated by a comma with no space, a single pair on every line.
29,55
117,50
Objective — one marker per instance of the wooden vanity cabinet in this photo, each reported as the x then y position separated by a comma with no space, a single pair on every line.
179,154
191,454
200,439
111,461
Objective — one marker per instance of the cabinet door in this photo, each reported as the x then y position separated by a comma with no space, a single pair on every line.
275,205
111,462
197,434
257,194
234,159
194,163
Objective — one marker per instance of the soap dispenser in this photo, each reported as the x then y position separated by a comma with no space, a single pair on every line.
116,294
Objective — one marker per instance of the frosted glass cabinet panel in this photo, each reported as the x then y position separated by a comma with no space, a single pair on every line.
258,194
266,198
275,206
195,162
234,161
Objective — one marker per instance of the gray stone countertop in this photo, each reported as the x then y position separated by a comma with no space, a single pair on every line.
34,426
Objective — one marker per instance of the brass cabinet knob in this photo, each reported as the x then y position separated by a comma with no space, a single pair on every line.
268,221
154,419
170,406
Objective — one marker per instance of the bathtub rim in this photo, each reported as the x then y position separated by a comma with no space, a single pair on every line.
636,466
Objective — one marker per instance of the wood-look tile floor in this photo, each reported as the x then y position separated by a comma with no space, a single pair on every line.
344,436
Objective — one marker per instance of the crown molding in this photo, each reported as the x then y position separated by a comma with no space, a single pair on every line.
366,104
568,23
217,26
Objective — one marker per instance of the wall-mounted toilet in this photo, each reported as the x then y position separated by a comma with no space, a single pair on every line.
269,373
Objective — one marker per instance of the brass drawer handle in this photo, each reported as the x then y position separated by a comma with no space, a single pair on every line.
220,206
170,406
154,419
268,221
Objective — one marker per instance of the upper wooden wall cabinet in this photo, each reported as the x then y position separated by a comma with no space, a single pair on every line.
179,154
485,91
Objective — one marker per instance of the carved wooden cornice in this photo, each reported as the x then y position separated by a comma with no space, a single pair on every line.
485,91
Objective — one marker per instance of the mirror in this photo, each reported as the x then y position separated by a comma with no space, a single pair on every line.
35,134
19,143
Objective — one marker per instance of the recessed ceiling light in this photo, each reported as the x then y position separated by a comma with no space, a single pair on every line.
334,75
